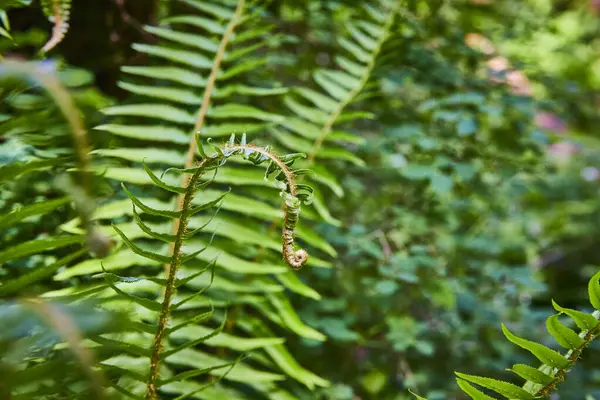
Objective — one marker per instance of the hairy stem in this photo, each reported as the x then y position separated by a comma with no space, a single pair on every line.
60,26
295,259
170,288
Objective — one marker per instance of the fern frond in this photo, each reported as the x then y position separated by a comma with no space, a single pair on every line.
58,12
543,380
176,259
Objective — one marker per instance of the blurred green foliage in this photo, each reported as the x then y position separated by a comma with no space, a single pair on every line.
477,202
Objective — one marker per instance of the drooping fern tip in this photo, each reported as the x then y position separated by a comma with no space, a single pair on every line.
543,380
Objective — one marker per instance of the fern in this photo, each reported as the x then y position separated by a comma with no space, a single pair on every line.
206,58
58,12
176,258
542,381
47,145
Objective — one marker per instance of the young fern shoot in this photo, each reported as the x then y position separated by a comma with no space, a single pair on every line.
295,259
294,195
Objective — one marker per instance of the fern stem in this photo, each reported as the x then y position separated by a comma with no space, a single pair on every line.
210,84
296,259
170,287
326,130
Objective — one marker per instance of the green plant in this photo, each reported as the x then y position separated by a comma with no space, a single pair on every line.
109,344
294,195
542,381
43,336
162,110
436,212
58,12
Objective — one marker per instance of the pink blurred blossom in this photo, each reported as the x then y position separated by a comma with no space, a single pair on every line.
562,152
498,64
550,121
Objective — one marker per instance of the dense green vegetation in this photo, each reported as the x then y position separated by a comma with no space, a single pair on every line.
319,199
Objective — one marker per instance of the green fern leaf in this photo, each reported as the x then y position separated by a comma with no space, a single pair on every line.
196,341
164,237
152,133
150,210
504,388
184,57
543,353
582,320
531,374
594,291
139,251
155,111
11,218
416,395
146,303
475,394
38,246
160,183
566,337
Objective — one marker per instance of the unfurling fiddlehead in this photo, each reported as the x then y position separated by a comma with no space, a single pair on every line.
294,258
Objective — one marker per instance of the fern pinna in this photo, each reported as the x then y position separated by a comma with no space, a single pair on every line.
544,380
